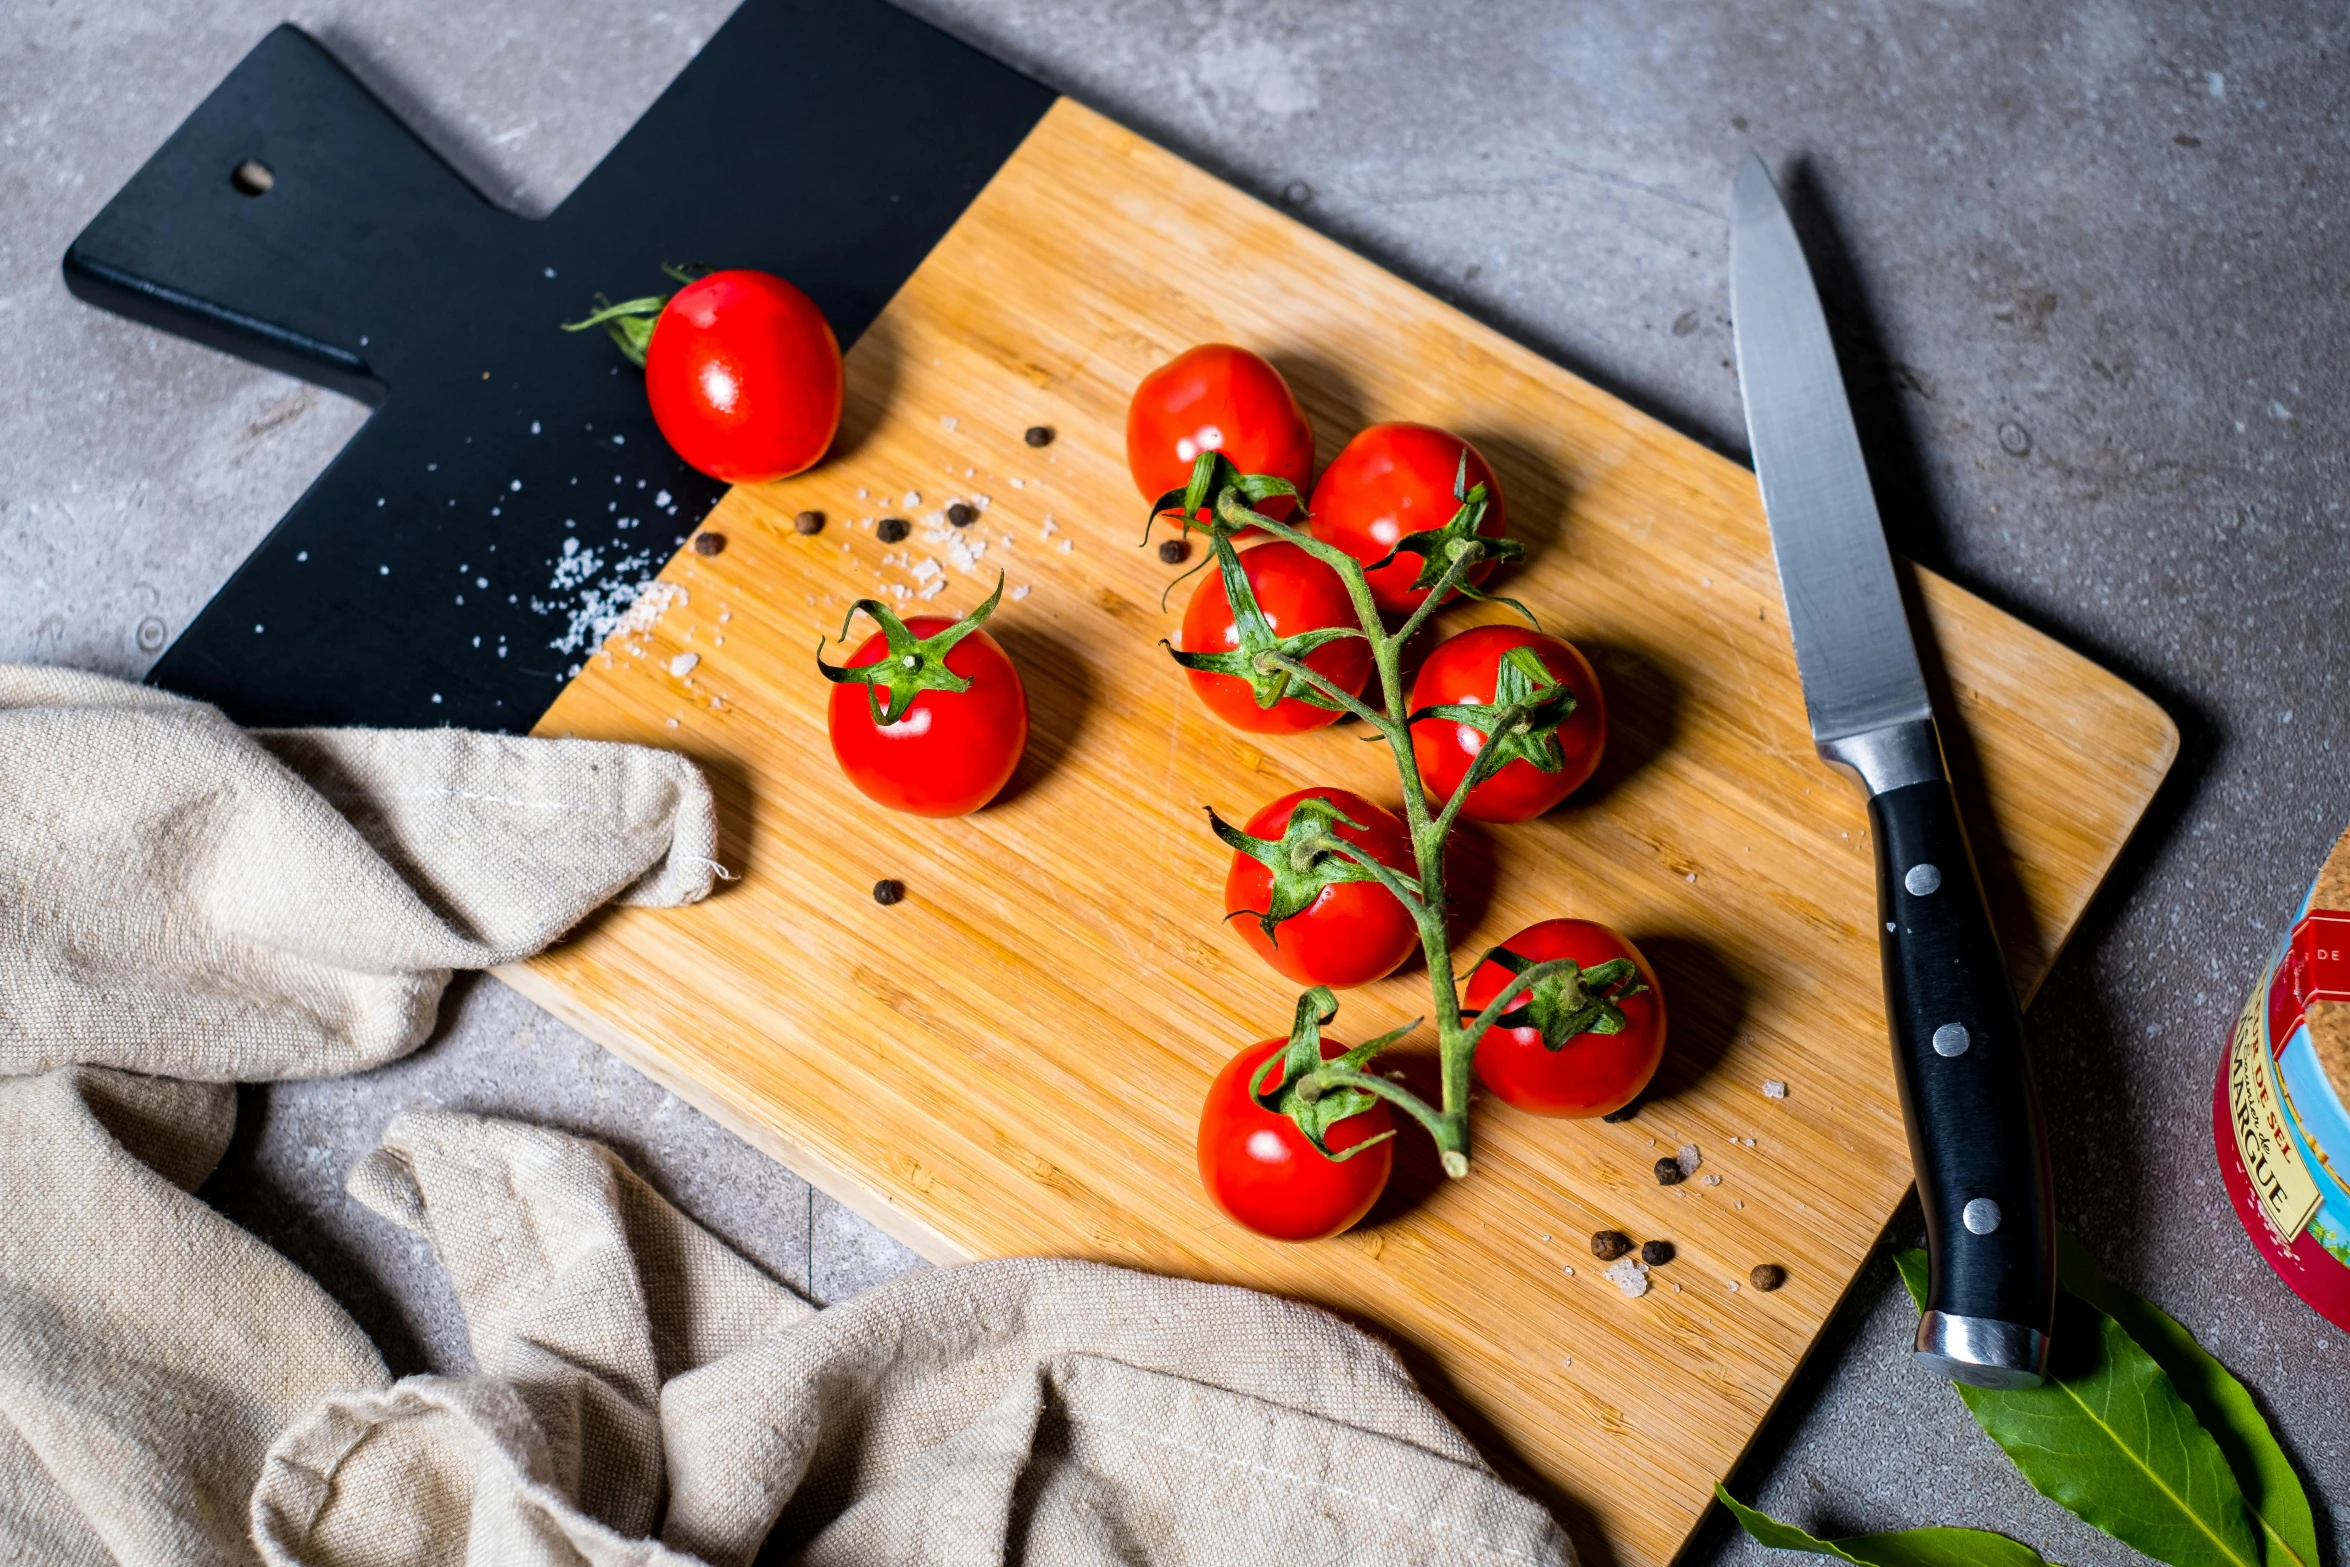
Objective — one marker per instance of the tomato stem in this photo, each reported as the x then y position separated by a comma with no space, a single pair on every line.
1227,495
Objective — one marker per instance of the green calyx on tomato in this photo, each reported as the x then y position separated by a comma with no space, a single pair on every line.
1438,548
1220,489
631,321
1255,659
1307,857
1521,723
911,666
1315,1093
1567,999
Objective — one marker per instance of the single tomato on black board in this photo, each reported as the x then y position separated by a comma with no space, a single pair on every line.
1464,687
1271,597
1217,398
741,368
1393,495
1582,1042
1263,1169
928,715
1311,909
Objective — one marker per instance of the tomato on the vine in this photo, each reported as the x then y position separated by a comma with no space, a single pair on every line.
1217,398
1460,690
741,368
1264,1172
1285,594
1394,481
928,715
1330,922
1582,1045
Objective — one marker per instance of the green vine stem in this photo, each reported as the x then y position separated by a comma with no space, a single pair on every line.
1225,493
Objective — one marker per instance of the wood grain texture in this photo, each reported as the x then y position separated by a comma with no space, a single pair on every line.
1011,1061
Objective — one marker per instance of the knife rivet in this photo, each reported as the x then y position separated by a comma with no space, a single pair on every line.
1922,880
1981,1215
1951,1040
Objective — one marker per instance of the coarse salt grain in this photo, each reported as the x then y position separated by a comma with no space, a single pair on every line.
927,568
1774,1089
1063,546
1628,1274
1711,1180
913,499
946,421
1688,1158
1050,527
1019,484
1568,1270
1021,591
683,664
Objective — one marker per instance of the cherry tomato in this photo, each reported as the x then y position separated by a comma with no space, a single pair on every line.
1591,1073
953,750
744,376
1353,932
1263,1172
1466,671
1297,593
1217,398
1393,480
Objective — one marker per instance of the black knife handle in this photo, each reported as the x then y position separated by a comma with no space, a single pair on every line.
1967,1098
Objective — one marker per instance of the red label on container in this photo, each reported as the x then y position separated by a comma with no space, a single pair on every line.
2315,967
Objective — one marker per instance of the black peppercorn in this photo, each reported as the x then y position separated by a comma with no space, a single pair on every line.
1767,1276
709,543
1039,435
1669,1171
891,530
1172,551
1656,1253
809,522
888,892
1608,1245
961,515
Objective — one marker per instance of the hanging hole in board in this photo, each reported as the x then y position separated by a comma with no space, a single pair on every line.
252,178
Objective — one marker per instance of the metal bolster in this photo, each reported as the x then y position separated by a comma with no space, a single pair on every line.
1982,1351
1888,758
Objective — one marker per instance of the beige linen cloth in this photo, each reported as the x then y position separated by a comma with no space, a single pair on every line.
203,905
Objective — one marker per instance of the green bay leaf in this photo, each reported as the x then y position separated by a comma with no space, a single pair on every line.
2272,1491
2108,1438
1901,1548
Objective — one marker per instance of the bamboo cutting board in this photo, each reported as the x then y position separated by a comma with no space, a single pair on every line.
1011,1061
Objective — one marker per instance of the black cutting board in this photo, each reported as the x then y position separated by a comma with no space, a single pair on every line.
510,492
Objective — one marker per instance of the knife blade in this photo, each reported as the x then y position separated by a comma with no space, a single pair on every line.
1976,1139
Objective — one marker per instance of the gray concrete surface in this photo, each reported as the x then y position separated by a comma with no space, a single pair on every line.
2091,287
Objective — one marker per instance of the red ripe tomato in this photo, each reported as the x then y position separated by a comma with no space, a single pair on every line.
744,376
1265,1173
1297,593
1353,932
1466,671
1217,398
953,750
1393,480
1592,1073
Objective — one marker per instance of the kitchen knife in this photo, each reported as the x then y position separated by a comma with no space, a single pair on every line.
1967,1098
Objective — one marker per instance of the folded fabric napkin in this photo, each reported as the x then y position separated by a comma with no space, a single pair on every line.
205,904
186,897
